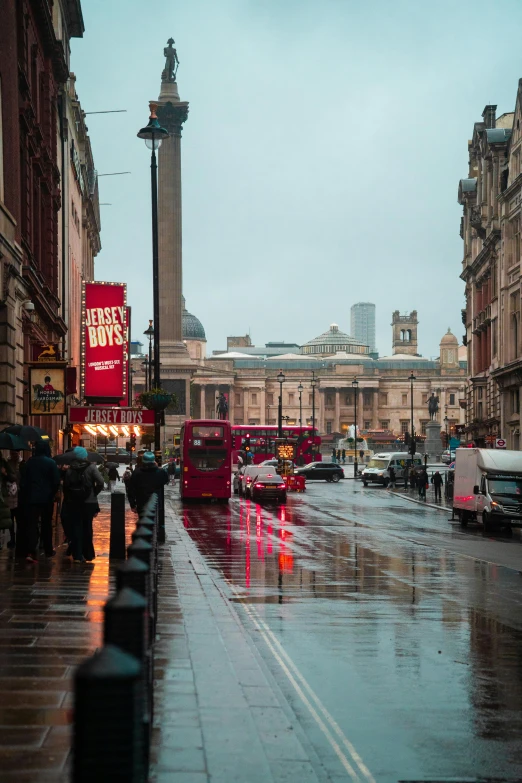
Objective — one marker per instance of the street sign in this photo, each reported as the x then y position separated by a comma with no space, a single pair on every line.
460,429
285,449
500,443
99,415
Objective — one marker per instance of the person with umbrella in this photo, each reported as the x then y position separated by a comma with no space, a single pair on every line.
113,474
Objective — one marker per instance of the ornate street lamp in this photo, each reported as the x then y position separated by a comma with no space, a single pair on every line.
355,386
300,389
153,135
280,380
412,436
446,422
148,377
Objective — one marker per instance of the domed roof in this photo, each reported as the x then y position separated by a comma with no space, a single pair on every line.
334,341
449,339
192,327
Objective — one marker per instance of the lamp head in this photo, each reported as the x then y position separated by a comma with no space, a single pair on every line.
355,383
281,377
300,387
153,133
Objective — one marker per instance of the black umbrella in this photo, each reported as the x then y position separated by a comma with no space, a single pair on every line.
26,431
68,456
13,442
111,464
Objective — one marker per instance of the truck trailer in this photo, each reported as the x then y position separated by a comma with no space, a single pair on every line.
488,488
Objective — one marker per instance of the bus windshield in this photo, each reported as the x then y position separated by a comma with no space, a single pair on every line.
207,459
202,431
378,463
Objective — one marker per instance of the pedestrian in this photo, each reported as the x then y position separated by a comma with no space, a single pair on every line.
114,476
437,482
12,488
146,480
82,484
422,483
393,477
39,484
343,456
334,453
171,470
339,456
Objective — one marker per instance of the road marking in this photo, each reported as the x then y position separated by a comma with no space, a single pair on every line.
294,675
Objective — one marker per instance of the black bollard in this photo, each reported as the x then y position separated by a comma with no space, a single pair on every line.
125,624
144,532
133,573
108,741
142,550
117,542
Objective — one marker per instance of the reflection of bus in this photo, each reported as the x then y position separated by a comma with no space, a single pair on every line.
259,440
206,459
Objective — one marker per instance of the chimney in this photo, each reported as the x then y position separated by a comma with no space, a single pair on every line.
489,116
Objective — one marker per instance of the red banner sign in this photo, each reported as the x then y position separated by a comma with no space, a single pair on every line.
103,341
111,416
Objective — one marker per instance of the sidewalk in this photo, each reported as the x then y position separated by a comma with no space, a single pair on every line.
219,715
413,495
50,620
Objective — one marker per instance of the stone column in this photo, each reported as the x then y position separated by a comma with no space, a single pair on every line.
262,405
171,113
337,413
202,396
375,409
231,404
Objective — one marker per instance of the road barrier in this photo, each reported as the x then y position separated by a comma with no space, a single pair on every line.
113,689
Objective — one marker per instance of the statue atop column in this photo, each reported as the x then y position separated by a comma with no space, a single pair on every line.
433,406
222,406
171,63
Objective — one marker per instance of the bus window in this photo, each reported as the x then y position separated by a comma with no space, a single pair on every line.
207,459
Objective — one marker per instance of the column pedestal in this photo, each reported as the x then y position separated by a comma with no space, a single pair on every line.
433,445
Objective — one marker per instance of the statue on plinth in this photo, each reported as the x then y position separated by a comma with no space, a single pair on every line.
171,62
433,406
222,407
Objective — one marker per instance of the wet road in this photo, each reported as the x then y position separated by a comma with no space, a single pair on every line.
395,636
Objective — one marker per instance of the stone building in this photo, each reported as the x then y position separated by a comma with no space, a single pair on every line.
384,396
490,229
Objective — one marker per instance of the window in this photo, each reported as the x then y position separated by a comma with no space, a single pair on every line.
452,399
383,398
329,399
328,427
494,338
348,400
480,392
367,400
237,399
367,425
479,410
254,398
310,399
424,399
404,399
291,398
494,284
514,323
270,399
423,426
405,425
385,424
515,401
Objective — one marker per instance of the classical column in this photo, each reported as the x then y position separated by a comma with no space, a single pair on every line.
262,405
202,402
231,402
375,409
171,113
337,415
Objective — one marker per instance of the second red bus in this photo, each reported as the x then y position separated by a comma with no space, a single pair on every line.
261,440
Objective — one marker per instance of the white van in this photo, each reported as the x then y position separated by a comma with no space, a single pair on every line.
378,468
488,487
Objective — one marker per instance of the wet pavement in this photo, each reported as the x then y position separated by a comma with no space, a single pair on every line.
51,619
387,637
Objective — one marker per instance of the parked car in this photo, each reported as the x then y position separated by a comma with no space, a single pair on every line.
447,457
321,471
268,486
378,468
114,454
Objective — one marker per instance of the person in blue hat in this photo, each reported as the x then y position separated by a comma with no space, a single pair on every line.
82,484
146,479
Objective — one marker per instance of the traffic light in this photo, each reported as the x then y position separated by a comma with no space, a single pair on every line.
246,443
132,442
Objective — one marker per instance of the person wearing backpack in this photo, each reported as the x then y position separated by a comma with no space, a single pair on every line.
146,479
82,484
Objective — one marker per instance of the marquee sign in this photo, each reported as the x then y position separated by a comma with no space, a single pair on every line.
285,449
104,334
139,416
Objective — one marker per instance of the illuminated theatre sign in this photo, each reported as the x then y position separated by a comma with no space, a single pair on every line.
111,416
104,334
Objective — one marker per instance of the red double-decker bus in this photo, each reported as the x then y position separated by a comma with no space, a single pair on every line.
206,460
260,440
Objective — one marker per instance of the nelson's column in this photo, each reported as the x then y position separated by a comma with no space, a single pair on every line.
176,365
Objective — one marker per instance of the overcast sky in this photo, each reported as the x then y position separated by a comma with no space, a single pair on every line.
320,159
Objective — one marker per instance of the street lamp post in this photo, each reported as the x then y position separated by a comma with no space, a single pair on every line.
153,134
355,385
313,384
280,380
150,334
446,422
412,436
300,389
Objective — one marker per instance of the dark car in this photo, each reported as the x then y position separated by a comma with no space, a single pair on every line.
321,471
268,486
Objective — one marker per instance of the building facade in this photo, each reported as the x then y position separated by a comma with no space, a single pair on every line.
362,324
490,229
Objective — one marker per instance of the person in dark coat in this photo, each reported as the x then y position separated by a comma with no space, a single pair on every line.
343,456
437,482
422,480
39,484
393,478
146,479
80,512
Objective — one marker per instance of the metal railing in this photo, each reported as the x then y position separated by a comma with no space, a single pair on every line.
113,689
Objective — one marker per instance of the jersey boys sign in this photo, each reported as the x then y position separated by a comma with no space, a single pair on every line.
104,339
127,416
